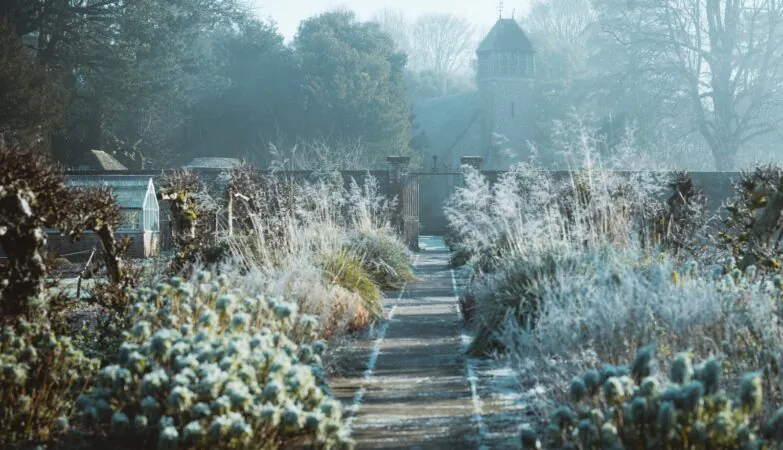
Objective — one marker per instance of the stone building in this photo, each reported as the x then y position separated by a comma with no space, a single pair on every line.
495,118
505,75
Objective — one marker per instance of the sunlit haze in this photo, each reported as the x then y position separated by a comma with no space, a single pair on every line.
288,14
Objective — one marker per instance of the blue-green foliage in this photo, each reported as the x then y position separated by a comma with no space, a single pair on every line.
205,366
40,375
627,407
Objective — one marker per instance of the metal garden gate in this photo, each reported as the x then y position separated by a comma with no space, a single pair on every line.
421,198
410,210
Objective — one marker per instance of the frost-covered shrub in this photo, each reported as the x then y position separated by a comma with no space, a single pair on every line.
601,207
528,211
323,245
32,192
366,206
41,375
346,313
346,269
385,258
512,294
603,305
205,366
256,196
629,407
192,212
747,236
339,310
470,215
681,221
461,253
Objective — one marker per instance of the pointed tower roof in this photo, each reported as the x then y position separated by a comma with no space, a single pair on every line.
506,36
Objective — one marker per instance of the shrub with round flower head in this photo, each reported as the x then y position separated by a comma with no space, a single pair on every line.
40,375
205,366
625,407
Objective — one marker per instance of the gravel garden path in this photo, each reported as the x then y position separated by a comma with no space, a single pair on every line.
408,384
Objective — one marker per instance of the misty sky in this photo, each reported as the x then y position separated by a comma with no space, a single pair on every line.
288,13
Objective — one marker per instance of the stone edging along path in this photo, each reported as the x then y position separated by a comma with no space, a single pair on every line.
410,386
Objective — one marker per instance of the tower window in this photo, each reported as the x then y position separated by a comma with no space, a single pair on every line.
512,109
505,64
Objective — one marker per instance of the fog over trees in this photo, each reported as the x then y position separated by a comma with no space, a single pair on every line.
158,83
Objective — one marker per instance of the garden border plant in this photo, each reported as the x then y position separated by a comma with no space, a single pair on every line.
628,406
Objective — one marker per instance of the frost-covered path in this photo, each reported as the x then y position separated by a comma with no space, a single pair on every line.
410,386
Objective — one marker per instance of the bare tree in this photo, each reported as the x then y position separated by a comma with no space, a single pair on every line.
563,20
724,56
560,31
394,23
443,43
319,154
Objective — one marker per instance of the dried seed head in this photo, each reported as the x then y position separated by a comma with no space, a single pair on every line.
119,422
639,410
692,395
168,438
578,390
529,439
270,414
649,387
642,365
62,424
140,422
614,391
667,416
193,432
592,380
682,368
563,417
751,396
709,374
698,434
587,432
609,434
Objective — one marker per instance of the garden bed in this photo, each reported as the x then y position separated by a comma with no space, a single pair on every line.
572,277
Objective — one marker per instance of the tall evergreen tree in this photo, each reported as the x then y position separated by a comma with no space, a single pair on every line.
130,65
354,86
32,101
258,101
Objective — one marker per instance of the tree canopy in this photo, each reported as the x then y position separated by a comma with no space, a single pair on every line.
353,85
157,83
32,101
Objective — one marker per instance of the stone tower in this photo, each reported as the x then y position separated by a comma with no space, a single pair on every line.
505,75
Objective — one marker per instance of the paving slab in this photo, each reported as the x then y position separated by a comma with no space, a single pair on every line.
410,385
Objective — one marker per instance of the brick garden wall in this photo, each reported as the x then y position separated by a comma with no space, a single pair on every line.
436,188
142,245
717,186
